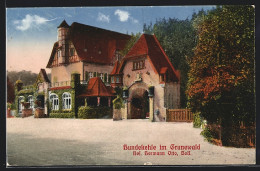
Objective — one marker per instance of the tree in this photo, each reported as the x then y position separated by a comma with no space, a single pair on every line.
130,43
10,91
178,38
221,76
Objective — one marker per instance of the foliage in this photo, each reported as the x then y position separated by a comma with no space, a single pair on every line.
206,133
178,38
27,77
118,103
221,76
130,43
197,120
62,115
8,105
10,91
89,112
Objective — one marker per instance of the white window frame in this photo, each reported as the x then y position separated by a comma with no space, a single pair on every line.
112,79
66,100
20,104
54,101
117,79
102,76
30,100
90,74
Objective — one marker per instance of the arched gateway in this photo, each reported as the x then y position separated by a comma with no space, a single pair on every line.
138,101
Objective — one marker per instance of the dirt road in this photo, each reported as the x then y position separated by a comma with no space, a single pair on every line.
54,142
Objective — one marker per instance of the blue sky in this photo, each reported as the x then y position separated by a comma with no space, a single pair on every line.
31,32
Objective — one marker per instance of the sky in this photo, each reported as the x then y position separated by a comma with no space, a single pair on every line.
31,32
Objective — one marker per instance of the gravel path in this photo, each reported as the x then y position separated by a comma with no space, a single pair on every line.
49,142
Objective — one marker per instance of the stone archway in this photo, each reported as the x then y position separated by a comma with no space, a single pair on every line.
138,101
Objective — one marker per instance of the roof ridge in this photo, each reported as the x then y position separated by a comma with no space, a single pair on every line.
166,56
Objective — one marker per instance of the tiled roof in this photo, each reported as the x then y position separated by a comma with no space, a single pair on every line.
149,46
94,45
115,69
60,88
55,46
96,87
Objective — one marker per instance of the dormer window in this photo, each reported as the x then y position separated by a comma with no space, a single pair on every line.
59,53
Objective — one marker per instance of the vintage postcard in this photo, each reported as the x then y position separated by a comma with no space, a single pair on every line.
137,85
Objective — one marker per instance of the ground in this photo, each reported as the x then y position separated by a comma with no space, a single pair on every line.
52,142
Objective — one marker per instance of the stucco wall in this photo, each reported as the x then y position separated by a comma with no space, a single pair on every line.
63,73
151,79
89,67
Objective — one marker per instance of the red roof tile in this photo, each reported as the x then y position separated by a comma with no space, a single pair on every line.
60,88
92,44
149,46
115,69
96,87
163,70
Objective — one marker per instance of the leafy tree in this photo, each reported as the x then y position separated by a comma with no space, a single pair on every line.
221,76
130,43
27,77
178,38
10,91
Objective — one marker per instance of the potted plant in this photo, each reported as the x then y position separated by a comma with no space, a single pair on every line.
26,111
8,110
39,111
13,109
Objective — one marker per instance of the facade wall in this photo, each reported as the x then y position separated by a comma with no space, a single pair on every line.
151,79
63,73
91,67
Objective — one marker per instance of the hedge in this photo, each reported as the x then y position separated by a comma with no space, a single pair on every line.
88,112
197,120
62,115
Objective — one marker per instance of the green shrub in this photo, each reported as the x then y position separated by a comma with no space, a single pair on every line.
206,133
88,112
197,120
62,115
118,103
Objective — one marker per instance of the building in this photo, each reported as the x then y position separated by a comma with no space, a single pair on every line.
86,66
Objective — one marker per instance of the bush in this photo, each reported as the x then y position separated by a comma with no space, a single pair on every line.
88,112
206,133
197,120
118,103
62,115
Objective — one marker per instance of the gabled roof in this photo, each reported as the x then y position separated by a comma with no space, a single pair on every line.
116,68
96,87
42,77
94,45
149,46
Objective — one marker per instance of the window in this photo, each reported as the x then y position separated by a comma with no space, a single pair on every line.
117,80
20,106
72,52
66,98
54,101
59,53
91,75
112,80
30,100
102,76
138,65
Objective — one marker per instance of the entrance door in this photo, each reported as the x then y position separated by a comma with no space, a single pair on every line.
140,106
